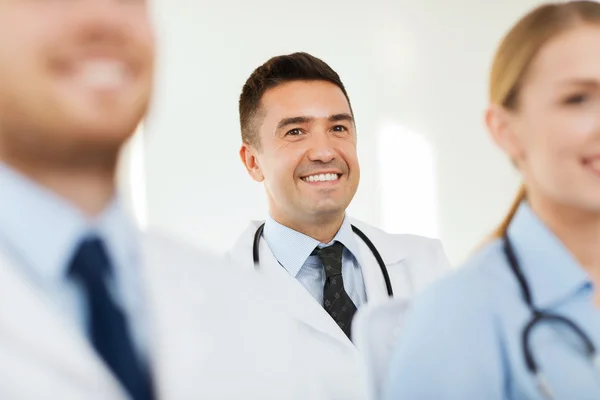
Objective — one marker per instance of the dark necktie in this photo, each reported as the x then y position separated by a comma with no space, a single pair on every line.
336,301
109,333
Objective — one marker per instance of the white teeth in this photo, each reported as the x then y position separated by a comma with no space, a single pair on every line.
103,74
321,178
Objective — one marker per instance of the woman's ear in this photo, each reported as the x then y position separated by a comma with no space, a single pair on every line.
501,124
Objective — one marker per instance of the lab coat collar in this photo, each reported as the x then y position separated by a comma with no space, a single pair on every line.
386,244
551,271
292,248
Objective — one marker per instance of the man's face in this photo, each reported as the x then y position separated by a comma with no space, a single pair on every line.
307,153
73,73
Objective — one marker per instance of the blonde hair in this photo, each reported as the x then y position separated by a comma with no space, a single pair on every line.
516,53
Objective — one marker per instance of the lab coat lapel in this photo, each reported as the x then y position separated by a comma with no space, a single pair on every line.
289,291
393,257
39,335
372,276
300,302
189,333
179,352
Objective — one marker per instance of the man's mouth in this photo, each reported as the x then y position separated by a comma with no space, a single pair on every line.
325,177
104,72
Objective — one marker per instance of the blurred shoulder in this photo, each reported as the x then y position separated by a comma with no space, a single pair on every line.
450,336
471,286
208,271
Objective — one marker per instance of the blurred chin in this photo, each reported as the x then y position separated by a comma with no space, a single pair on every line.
101,129
590,200
97,124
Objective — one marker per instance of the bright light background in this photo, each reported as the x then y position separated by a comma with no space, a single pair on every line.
132,176
408,182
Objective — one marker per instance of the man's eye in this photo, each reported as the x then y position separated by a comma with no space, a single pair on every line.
294,132
340,128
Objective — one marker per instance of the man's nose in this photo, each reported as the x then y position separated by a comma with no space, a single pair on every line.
321,148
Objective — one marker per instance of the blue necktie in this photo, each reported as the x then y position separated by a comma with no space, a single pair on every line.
108,330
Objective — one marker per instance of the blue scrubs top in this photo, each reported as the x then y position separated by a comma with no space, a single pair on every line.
462,338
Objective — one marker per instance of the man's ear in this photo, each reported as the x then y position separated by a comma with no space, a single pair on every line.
501,125
248,157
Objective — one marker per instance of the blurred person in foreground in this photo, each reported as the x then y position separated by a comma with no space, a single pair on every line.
521,320
90,307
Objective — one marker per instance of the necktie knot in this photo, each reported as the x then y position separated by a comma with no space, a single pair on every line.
331,257
90,263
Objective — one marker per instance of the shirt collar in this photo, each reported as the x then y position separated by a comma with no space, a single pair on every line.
552,272
42,230
346,237
292,248
119,231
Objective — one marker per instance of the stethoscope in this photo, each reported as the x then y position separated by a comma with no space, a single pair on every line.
358,232
538,317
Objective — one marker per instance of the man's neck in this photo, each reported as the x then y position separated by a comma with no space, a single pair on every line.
321,229
577,229
90,188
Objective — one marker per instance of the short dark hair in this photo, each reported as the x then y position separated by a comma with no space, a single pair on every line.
276,71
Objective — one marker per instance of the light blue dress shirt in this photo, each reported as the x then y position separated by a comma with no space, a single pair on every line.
293,251
40,232
462,338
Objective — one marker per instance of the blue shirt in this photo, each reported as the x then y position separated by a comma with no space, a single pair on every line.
462,337
40,233
293,251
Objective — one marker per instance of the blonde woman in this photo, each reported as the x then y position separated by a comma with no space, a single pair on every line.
521,319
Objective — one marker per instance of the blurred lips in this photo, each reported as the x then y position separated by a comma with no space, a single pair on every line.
98,72
104,74
593,163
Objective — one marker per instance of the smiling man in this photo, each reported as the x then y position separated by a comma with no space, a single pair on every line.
299,139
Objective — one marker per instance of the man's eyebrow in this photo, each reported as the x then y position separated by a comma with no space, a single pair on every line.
341,117
304,120
294,121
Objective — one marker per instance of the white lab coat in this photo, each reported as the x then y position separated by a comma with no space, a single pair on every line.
412,263
210,337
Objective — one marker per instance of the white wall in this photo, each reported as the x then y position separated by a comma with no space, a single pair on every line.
417,66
